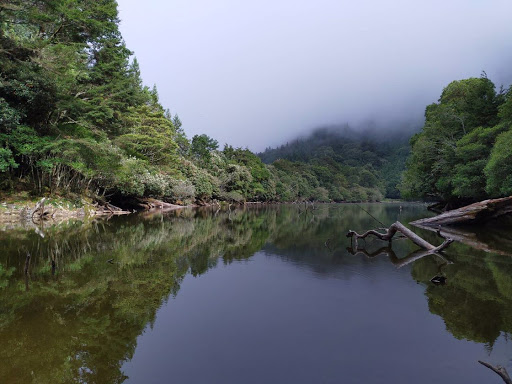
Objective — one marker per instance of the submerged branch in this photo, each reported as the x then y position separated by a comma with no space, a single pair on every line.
399,227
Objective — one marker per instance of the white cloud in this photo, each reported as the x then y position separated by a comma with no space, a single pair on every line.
258,73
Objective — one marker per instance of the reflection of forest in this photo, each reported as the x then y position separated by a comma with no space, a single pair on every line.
80,320
476,303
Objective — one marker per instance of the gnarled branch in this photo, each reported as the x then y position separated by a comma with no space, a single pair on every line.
399,227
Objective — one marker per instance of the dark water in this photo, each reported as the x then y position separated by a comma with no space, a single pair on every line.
268,295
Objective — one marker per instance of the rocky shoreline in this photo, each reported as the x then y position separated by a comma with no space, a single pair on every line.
30,214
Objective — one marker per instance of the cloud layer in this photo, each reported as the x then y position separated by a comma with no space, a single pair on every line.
259,73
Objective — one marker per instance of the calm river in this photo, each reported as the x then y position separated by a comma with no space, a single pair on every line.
258,295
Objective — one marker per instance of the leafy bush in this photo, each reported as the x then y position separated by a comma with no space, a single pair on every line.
6,160
320,194
499,167
183,190
206,185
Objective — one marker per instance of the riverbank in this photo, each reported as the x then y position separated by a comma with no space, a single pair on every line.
17,210
26,211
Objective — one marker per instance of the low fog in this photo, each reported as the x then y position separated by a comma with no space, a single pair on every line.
256,74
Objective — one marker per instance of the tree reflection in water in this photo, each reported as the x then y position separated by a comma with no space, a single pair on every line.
91,288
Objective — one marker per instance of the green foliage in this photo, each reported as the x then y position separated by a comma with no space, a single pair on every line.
206,185
75,116
469,104
201,147
5,274
67,85
6,160
183,190
451,157
248,159
343,162
135,179
499,168
505,110
472,154
150,135
238,179
320,194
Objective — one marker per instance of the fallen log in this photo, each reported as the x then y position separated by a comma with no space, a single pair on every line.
151,203
399,227
154,203
108,209
475,213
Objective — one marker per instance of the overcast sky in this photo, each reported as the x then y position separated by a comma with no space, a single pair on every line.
258,73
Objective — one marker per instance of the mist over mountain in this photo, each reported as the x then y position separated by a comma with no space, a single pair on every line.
258,74
336,136
372,156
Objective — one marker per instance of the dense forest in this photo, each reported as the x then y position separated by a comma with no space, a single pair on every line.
464,151
76,119
349,164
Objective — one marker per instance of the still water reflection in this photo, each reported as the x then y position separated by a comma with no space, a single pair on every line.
270,295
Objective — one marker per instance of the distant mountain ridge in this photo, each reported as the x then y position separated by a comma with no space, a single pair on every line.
371,160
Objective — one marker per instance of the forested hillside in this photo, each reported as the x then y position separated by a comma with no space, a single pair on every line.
464,151
76,118
347,164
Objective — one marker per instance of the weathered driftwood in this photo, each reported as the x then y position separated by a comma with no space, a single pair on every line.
39,211
109,210
148,203
476,213
399,227
154,203
499,370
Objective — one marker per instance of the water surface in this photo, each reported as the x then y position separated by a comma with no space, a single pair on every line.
271,294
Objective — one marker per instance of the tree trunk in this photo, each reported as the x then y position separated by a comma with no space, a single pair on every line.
476,213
